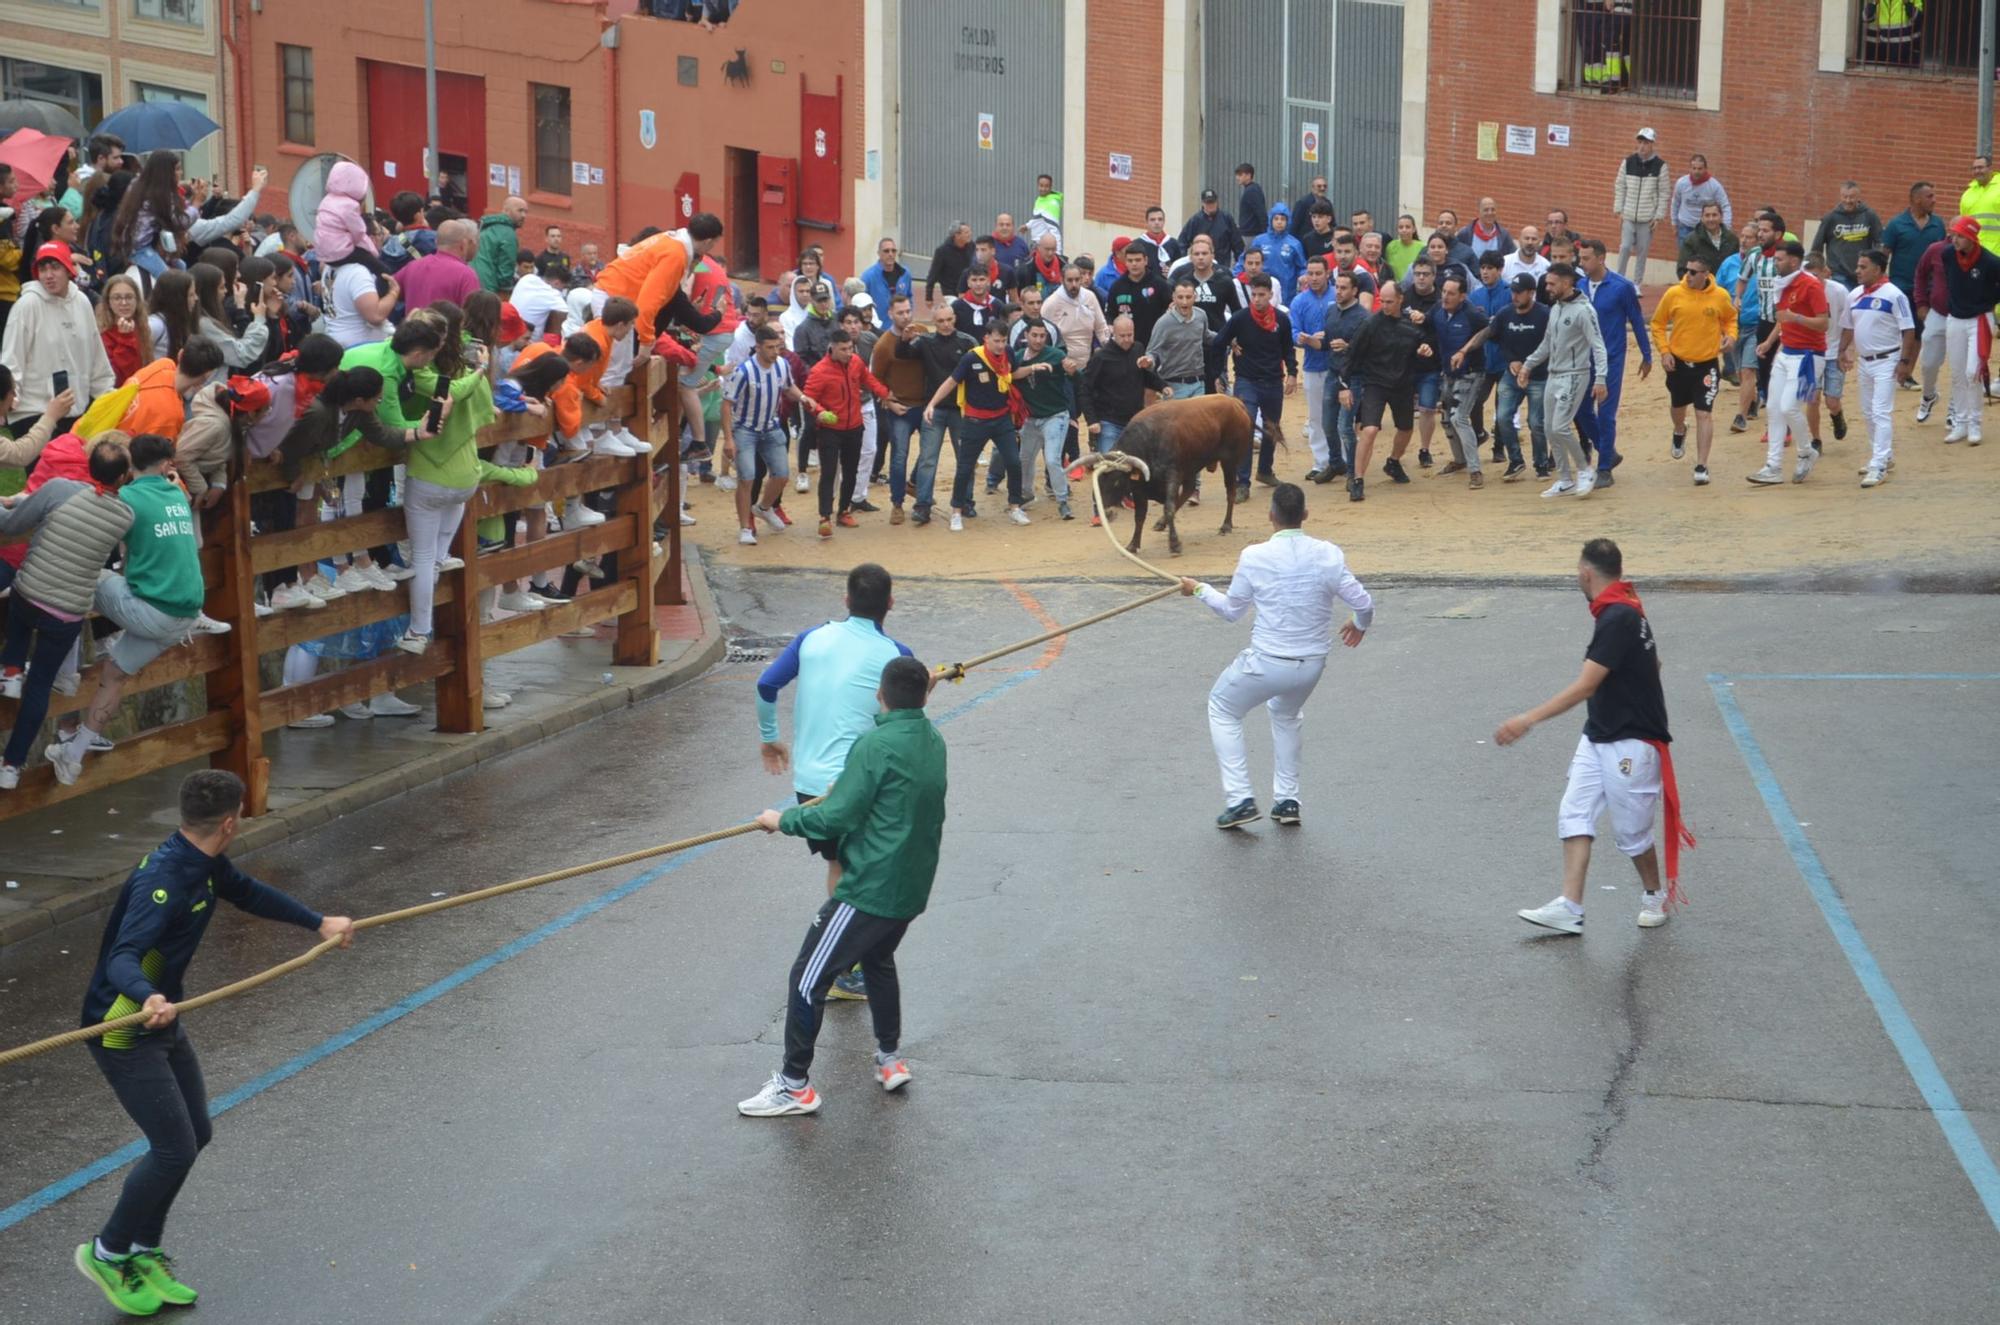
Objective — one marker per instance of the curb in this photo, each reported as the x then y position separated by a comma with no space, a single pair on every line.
90,901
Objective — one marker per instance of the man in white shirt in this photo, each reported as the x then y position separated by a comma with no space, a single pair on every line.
1832,381
1878,342
1292,581
536,299
355,313
1077,317
1527,258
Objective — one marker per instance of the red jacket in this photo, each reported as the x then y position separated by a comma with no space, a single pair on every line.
1928,290
122,348
839,389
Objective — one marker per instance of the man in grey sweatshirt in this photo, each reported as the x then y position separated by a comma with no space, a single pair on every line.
1574,351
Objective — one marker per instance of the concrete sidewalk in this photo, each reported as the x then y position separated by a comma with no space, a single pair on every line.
61,867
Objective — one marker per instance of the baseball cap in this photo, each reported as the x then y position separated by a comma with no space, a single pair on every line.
1648,135
1523,282
1208,195
56,251
1120,244
861,299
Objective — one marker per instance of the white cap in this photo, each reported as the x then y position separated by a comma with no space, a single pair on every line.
1648,135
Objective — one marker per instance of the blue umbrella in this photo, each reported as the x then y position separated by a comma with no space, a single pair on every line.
149,125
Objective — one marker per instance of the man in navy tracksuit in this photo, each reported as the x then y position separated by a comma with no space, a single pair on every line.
1617,303
154,929
1266,371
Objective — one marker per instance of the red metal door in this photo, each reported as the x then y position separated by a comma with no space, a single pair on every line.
687,197
777,215
396,130
819,158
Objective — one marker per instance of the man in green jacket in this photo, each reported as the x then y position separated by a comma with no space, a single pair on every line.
499,242
887,812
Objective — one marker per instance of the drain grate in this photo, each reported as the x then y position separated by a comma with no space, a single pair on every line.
755,648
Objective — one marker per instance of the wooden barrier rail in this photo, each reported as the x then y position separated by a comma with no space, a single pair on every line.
238,711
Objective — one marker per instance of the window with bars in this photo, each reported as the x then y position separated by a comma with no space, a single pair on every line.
1917,36
186,13
552,159
1643,48
297,62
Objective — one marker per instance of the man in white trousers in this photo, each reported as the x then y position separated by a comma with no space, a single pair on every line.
1798,336
1972,284
1878,343
1292,581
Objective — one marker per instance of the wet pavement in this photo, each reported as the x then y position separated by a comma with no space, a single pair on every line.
1314,1074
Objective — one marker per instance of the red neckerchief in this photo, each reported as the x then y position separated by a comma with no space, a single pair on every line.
1966,260
1678,833
1480,230
1050,272
1267,319
1702,178
305,390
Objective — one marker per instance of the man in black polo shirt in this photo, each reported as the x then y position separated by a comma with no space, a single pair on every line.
1622,764
1140,294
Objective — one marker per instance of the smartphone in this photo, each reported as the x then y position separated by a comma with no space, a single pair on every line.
436,416
61,381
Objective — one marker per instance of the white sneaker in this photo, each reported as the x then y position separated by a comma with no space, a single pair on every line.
893,1076
262,609
204,624
576,515
687,519
450,563
385,578
314,723
1766,476
747,537
804,484
1586,483
322,589
1560,488
355,580
1973,438
10,777
609,445
10,686
1807,459
725,483
776,1101
388,706
515,600
495,699
1555,915
1019,516
66,765
957,523
290,597
1956,433
412,642
1652,910
359,711
1872,478
1924,407
634,441
1701,476
769,517
67,682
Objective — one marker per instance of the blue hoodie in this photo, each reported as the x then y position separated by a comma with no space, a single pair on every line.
1284,256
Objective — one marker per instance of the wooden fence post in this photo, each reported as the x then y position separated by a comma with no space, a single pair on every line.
638,641
236,687
667,589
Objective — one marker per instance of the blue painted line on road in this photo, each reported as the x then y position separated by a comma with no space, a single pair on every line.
1902,1032
1857,676
68,1185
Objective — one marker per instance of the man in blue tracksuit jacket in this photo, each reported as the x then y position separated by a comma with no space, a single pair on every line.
1494,299
1617,303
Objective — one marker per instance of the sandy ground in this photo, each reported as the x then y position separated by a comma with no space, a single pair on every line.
1933,519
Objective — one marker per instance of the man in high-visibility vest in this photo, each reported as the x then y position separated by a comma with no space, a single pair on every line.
1981,202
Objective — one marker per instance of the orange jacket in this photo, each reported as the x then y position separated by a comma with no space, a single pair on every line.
648,274
566,400
157,406
590,379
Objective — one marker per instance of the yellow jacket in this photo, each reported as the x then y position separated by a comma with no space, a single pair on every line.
1981,202
1699,320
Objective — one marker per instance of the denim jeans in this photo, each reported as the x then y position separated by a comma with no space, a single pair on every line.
1106,437
929,440
1185,390
1051,431
1338,423
1265,396
970,437
1511,393
39,641
900,427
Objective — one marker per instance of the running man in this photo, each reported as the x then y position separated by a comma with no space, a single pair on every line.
155,927
838,666
1622,762
887,813
1292,581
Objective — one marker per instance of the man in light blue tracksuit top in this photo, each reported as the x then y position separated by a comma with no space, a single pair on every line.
838,666
1618,315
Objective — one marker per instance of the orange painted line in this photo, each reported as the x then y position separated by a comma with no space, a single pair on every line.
1054,649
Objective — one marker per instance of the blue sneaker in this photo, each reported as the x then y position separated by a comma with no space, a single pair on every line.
1285,812
1239,814
850,987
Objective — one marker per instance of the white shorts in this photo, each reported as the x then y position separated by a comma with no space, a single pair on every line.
1621,776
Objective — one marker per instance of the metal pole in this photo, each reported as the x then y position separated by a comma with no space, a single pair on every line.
435,166
1987,10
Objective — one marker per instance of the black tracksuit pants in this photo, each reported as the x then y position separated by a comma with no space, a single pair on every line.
158,1081
841,936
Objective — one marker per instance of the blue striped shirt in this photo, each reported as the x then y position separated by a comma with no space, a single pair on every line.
757,394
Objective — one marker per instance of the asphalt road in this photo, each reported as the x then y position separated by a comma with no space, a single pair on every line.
1161,1072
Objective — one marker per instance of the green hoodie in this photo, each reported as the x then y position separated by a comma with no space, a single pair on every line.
887,811
451,459
162,559
499,245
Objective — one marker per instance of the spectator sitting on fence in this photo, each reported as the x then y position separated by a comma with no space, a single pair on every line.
209,440
537,378
612,330
156,601
159,391
294,382
404,406
76,525
21,452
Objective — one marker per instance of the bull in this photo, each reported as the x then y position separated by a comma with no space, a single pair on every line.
1162,453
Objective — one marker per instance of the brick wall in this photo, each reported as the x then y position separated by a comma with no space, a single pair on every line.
1122,109
1786,135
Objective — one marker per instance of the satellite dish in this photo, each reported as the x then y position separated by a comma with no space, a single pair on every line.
309,186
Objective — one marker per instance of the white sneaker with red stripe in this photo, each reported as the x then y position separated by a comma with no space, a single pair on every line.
777,1100
893,1074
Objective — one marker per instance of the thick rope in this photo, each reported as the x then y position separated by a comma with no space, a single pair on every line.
949,671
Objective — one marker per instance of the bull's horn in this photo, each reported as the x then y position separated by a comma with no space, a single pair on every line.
1091,460
1137,466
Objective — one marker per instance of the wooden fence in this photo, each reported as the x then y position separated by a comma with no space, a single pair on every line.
239,711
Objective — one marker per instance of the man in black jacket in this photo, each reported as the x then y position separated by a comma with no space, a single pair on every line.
1140,294
1218,225
1253,214
1267,370
1381,372
939,353
1113,387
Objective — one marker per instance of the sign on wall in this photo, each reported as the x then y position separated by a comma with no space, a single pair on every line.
1121,165
649,130
986,131
1309,144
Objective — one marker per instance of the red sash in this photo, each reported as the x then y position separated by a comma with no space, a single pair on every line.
1678,832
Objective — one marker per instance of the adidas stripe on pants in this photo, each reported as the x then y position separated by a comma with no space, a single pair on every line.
841,936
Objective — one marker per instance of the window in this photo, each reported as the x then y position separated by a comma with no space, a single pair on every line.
198,160
1645,48
297,63
73,4
1917,36
187,13
81,94
552,163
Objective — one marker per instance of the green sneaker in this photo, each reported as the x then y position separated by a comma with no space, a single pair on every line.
157,1269
120,1281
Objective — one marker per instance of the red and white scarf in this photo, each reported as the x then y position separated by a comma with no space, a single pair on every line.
1678,832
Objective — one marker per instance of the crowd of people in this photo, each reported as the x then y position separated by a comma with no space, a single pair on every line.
158,334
